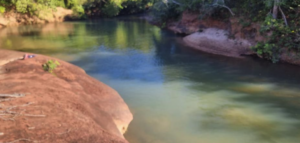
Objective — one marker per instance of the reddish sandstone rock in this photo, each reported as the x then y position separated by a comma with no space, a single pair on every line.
70,106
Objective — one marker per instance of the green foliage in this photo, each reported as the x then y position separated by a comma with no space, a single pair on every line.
79,11
21,5
136,6
170,9
50,66
268,51
163,12
111,9
107,8
280,38
2,9
34,6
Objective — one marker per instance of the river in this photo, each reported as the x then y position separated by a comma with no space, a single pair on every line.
176,94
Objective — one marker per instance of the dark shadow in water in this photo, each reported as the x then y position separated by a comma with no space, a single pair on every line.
168,51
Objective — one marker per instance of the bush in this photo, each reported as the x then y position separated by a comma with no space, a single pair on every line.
33,6
136,6
79,11
107,8
283,38
111,9
163,12
21,6
50,66
2,9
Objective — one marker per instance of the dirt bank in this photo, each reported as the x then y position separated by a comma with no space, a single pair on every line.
12,18
69,106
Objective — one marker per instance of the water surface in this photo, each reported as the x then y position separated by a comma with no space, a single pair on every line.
176,95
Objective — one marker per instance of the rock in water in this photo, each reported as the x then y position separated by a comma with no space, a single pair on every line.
67,106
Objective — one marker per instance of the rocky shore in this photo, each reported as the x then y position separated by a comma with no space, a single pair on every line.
66,106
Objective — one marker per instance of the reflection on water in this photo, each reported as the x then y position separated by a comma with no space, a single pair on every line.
176,95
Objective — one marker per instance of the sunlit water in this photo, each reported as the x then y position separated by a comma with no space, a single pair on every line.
175,94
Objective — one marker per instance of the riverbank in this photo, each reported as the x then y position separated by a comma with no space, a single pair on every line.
231,38
216,36
13,18
65,106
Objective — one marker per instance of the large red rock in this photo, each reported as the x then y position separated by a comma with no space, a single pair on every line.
67,106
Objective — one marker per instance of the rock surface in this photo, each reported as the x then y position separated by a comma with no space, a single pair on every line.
67,106
216,41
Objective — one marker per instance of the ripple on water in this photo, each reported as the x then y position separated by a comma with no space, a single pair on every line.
264,121
252,88
173,112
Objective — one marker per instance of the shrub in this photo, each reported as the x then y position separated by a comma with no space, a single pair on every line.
21,6
111,9
50,66
163,12
2,9
282,38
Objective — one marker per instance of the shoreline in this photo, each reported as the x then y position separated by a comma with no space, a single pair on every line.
225,38
236,41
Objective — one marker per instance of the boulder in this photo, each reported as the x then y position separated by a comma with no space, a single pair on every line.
64,106
216,41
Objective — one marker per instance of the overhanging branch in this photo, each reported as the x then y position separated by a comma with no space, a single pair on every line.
283,17
225,7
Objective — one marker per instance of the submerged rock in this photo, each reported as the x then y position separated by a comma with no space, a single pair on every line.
67,106
253,88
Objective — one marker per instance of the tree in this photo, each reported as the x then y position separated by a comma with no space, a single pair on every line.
276,8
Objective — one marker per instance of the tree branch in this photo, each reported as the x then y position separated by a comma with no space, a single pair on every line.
177,3
225,7
283,16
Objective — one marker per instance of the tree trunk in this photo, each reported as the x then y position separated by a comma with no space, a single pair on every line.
275,9
283,17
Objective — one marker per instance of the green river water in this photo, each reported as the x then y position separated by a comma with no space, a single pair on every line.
176,95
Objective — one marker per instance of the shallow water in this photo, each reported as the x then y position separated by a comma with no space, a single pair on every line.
177,95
